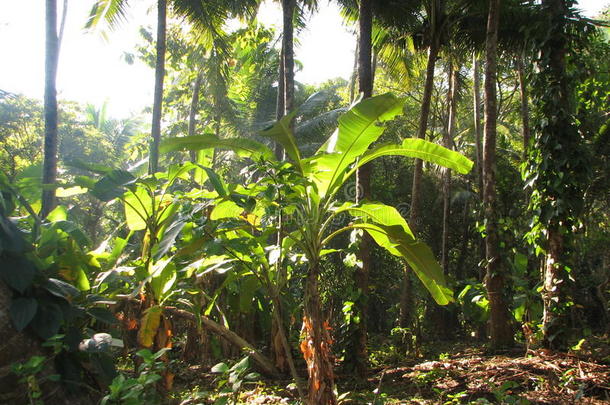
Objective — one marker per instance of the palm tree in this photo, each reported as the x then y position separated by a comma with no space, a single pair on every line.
49,171
500,329
363,182
287,54
206,16
155,132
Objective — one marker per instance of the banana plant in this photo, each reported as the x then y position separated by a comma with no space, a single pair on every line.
151,204
323,175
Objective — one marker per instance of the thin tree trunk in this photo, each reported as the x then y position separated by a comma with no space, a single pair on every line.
500,328
476,89
354,78
288,7
49,170
477,121
448,143
414,216
448,314
62,26
193,112
404,321
153,164
525,111
363,176
285,104
316,346
279,108
365,53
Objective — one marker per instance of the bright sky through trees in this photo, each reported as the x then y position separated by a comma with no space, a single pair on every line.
92,70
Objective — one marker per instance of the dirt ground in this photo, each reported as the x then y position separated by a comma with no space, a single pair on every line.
465,375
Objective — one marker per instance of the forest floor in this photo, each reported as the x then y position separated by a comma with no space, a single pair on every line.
463,374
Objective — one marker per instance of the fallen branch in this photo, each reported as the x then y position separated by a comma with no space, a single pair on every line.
233,338
265,364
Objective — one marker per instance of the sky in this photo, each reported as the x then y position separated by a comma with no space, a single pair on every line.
92,70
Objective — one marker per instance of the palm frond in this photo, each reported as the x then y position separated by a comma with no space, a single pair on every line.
106,13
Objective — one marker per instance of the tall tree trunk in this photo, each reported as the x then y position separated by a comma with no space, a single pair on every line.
354,78
476,89
561,170
448,314
478,136
49,170
193,111
316,346
363,184
404,320
279,108
500,327
288,7
285,104
153,163
525,111
448,143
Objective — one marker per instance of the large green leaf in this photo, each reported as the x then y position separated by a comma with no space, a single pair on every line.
416,253
219,185
390,231
22,311
358,129
377,213
163,277
241,146
226,209
16,271
47,320
112,185
169,237
138,208
281,132
420,149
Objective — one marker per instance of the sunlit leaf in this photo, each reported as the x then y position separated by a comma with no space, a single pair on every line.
148,326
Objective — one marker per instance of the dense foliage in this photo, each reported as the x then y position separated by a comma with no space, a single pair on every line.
243,248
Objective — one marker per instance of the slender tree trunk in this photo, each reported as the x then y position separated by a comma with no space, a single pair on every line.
448,143
477,121
476,89
153,164
193,111
62,26
448,314
525,111
279,108
354,78
316,346
500,327
49,170
285,104
414,215
363,176
288,7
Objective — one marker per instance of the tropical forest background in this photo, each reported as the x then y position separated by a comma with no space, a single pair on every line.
431,228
